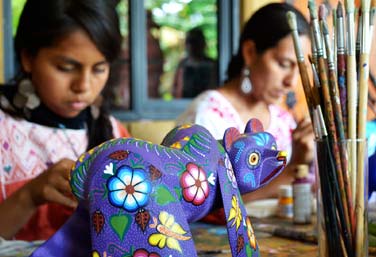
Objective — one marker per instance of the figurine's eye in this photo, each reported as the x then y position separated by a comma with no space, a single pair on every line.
253,159
274,147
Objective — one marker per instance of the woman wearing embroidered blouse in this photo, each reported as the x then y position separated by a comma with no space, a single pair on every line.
67,50
263,71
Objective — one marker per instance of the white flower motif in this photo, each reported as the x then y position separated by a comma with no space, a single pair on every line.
230,173
109,169
211,179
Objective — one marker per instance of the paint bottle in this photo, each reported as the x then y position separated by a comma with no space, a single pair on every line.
302,196
285,205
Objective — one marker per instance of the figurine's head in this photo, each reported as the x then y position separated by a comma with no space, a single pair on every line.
253,155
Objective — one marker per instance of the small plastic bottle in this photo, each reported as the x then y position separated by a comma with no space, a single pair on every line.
302,196
285,201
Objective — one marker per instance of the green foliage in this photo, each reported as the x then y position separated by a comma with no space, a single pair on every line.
17,6
163,196
183,15
173,19
120,224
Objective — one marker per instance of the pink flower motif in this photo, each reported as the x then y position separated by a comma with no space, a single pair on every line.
195,184
144,253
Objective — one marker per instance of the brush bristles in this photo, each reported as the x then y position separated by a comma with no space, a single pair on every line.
291,20
340,10
365,5
349,6
312,9
322,12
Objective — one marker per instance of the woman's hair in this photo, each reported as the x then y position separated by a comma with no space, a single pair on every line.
43,23
266,28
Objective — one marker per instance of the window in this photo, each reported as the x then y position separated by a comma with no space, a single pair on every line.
156,34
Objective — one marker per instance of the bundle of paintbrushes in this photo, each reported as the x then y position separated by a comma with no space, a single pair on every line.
335,83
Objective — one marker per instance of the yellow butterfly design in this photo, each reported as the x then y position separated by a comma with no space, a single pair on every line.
169,232
235,213
251,233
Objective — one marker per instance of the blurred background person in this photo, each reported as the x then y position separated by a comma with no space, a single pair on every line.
196,72
259,77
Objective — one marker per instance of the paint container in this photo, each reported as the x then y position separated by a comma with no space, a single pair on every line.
285,201
302,196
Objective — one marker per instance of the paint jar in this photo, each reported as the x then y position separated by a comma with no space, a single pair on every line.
302,196
285,202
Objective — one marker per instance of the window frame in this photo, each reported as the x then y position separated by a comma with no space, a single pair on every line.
141,106
8,55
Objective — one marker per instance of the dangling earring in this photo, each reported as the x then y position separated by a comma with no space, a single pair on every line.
246,85
26,96
94,110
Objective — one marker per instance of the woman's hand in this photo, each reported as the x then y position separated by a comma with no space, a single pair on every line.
52,186
303,143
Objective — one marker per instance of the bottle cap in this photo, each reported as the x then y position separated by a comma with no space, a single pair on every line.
301,171
285,191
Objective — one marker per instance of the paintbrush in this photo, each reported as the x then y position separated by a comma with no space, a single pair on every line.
327,174
316,90
358,17
337,113
334,36
362,119
351,69
341,64
372,15
334,94
313,47
291,19
329,119
351,80
327,107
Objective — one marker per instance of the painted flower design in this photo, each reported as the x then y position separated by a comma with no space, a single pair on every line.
144,253
129,188
230,173
235,213
195,184
251,234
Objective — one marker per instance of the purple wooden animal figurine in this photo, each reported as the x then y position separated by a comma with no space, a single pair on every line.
137,199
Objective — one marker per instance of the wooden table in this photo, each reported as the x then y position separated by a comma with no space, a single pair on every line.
275,237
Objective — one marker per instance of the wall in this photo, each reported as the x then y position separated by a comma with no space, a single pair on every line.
248,7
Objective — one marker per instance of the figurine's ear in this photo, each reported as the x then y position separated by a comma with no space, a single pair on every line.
230,136
254,125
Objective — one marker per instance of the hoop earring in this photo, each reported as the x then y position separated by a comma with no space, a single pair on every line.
26,98
246,85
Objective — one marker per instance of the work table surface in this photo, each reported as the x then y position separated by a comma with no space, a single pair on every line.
275,237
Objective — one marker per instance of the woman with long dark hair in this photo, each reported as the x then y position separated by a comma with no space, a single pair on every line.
262,72
67,52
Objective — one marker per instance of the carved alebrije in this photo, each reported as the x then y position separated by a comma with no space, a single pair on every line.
137,198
